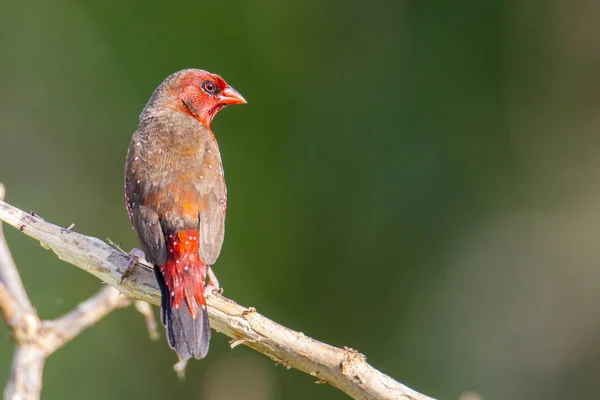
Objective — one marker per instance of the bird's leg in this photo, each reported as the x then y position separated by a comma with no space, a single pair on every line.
134,256
213,282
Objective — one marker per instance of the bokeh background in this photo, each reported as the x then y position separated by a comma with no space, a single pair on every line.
416,180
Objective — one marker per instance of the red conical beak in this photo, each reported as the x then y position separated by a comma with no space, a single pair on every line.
230,96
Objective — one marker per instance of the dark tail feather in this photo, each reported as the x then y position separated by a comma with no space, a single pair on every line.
188,336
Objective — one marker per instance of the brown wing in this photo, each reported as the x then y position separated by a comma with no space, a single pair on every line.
145,220
212,220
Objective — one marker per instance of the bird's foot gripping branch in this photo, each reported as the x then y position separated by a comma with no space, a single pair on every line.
34,339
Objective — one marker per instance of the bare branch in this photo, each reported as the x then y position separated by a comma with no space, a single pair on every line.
344,368
58,332
9,275
8,306
35,340
25,382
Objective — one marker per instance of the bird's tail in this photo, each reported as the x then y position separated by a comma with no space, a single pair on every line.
183,308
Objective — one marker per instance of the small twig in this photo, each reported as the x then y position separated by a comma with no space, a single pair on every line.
146,310
345,368
116,246
235,343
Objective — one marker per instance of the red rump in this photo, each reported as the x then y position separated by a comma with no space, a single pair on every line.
184,272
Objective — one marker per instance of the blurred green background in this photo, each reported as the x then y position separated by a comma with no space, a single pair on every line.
416,180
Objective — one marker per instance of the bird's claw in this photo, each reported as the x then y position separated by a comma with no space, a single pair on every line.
213,282
134,256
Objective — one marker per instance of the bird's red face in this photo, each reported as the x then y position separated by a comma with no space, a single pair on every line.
202,94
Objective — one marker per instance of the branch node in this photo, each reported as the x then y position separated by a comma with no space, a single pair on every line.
27,328
250,310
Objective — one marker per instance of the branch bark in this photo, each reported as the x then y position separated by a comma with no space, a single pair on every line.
344,368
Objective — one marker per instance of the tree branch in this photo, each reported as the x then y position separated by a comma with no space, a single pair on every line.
25,380
9,275
62,330
35,340
344,368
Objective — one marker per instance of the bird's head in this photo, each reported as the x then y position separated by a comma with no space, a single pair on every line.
195,92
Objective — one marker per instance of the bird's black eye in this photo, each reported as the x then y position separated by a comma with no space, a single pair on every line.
209,87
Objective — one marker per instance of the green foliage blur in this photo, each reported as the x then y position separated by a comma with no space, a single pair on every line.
414,179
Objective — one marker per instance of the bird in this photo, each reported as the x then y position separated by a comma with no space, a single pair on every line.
176,199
